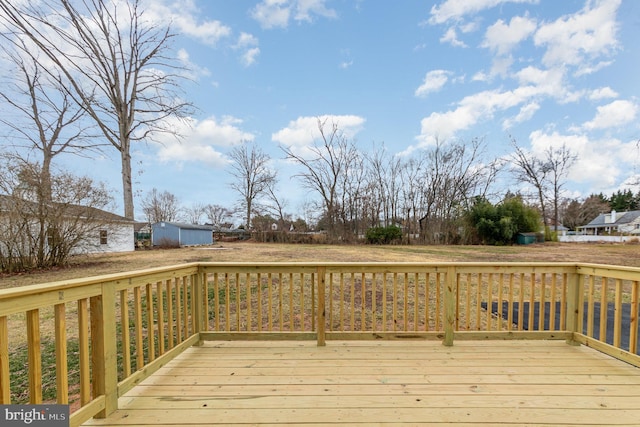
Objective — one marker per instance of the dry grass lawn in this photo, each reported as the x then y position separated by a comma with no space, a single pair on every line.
97,264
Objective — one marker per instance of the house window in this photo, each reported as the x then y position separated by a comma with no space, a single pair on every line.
103,237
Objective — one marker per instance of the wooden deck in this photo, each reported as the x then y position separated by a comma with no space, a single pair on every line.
388,383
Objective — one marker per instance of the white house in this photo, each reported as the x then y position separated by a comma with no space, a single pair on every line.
112,233
613,223
84,229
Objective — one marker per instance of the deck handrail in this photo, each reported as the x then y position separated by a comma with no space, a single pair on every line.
112,331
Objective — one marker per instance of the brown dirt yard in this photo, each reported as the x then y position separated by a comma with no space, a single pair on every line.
98,264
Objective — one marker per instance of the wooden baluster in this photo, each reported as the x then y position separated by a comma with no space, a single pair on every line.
633,323
521,303
170,334
321,313
150,329
270,300
591,305
62,376
83,344
617,328
552,303
259,304
416,289
160,315
603,308
280,302
395,302
34,356
384,302
126,336
216,301
532,301
137,307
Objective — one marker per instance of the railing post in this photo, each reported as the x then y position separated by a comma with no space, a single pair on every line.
197,303
104,361
5,390
321,313
574,291
449,306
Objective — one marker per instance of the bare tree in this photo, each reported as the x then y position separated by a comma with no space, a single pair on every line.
452,175
276,205
195,212
533,171
217,215
384,175
356,197
160,206
39,235
558,162
325,167
41,114
115,62
411,185
579,213
250,168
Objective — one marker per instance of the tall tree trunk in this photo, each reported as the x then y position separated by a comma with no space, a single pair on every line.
127,189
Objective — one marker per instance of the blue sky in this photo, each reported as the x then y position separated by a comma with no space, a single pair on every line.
402,73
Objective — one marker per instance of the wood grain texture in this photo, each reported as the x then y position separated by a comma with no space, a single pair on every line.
387,383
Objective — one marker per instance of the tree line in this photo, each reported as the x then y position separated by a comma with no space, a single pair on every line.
445,194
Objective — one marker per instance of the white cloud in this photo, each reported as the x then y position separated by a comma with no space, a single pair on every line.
600,164
526,113
248,44
582,37
454,10
191,71
306,8
500,66
602,93
433,81
246,40
590,69
347,61
451,37
278,13
200,139
272,13
473,108
502,38
249,57
615,114
546,82
184,17
304,130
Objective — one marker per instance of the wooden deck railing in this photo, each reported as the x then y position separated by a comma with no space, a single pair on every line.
96,338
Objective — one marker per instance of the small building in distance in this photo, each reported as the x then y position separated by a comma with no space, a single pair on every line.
178,234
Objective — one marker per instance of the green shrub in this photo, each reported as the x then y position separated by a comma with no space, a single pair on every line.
383,235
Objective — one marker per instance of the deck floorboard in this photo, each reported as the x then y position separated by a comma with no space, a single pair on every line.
388,383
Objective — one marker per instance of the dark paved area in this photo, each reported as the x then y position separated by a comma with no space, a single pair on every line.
626,318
